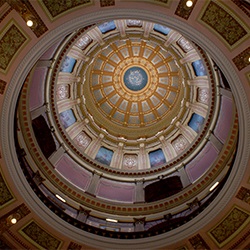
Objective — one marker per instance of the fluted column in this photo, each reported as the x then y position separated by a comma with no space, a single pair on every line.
143,157
167,149
94,146
118,156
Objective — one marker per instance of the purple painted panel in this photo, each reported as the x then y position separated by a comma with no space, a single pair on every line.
71,171
201,163
224,122
50,52
37,88
116,191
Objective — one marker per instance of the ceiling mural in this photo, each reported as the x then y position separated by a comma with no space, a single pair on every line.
124,123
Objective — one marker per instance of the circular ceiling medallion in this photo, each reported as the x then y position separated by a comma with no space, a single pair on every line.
135,78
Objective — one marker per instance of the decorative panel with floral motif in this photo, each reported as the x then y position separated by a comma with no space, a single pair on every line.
40,237
184,11
244,195
106,3
57,7
6,195
180,144
82,140
10,44
130,161
198,243
203,95
74,246
223,23
242,60
230,226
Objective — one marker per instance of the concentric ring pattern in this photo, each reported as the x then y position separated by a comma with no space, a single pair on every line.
131,125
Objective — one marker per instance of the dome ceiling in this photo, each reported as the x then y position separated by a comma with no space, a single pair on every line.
140,87
132,123
125,125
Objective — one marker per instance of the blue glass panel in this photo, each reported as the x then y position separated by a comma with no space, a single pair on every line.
107,26
199,68
67,118
162,29
68,64
104,155
196,122
156,158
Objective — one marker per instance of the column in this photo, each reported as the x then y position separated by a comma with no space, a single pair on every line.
93,184
191,56
94,146
226,92
39,111
143,157
55,157
139,191
118,156
198,108
216,142
186,131
184,177
44,63
83,214
172,37
139,224
167,148
37,178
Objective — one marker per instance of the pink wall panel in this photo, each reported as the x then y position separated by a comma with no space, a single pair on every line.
224,123
111,190
201,163
37,88
73,173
